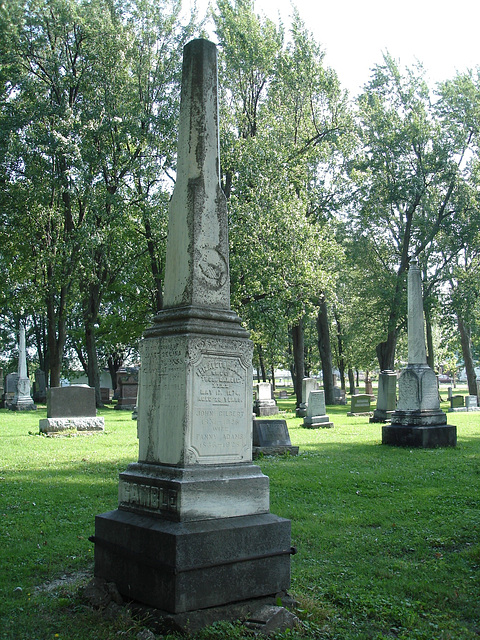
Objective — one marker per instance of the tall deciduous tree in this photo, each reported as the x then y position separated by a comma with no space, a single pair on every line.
407,171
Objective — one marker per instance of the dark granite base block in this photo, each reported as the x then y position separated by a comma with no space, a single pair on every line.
186,566
427,437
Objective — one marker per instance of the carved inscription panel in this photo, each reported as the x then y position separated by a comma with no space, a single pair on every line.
220,420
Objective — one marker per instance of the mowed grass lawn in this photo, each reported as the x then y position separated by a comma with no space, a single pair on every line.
388,538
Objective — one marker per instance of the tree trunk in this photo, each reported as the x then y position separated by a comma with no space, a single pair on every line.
298,342
273,377
429,336
154,266
386,352
351,380
325,350
466,340
114,362
261,362
57,336
341,359
91,307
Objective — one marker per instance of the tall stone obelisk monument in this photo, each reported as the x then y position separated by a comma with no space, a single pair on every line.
193,528
22,400
418,420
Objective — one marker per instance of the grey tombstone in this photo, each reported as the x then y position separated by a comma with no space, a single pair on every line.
11,382
360,405
22,400
271,437
339,396
193,527
308,384
457,403
316,411
471,403
418,420
387,397
449,393
264,404
127,391
40,387
106,395
283,395
71,409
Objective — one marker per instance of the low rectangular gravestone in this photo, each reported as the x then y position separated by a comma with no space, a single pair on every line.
471,403
457,403
282,394
360,405
271,437
71,408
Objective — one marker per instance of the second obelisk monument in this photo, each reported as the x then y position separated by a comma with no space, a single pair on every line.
194,510
418,420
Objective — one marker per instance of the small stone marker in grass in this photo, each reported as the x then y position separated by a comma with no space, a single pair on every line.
271,437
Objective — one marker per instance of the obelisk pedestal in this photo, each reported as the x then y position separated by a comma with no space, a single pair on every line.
22,400
418,420
193,528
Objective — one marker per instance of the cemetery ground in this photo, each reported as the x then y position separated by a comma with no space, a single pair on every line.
388,539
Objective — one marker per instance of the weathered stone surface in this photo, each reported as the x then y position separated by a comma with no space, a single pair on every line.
194,493
196,267
57,425
195,404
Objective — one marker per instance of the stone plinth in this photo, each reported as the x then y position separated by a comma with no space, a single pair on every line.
264,404
387,397
193,565
316,412
271,437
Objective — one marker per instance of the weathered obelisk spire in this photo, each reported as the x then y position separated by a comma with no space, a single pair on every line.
417,353
196,270
418,420
194,509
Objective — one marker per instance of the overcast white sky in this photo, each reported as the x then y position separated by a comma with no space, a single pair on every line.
444,36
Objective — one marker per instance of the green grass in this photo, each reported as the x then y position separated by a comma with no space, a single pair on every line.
388,539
